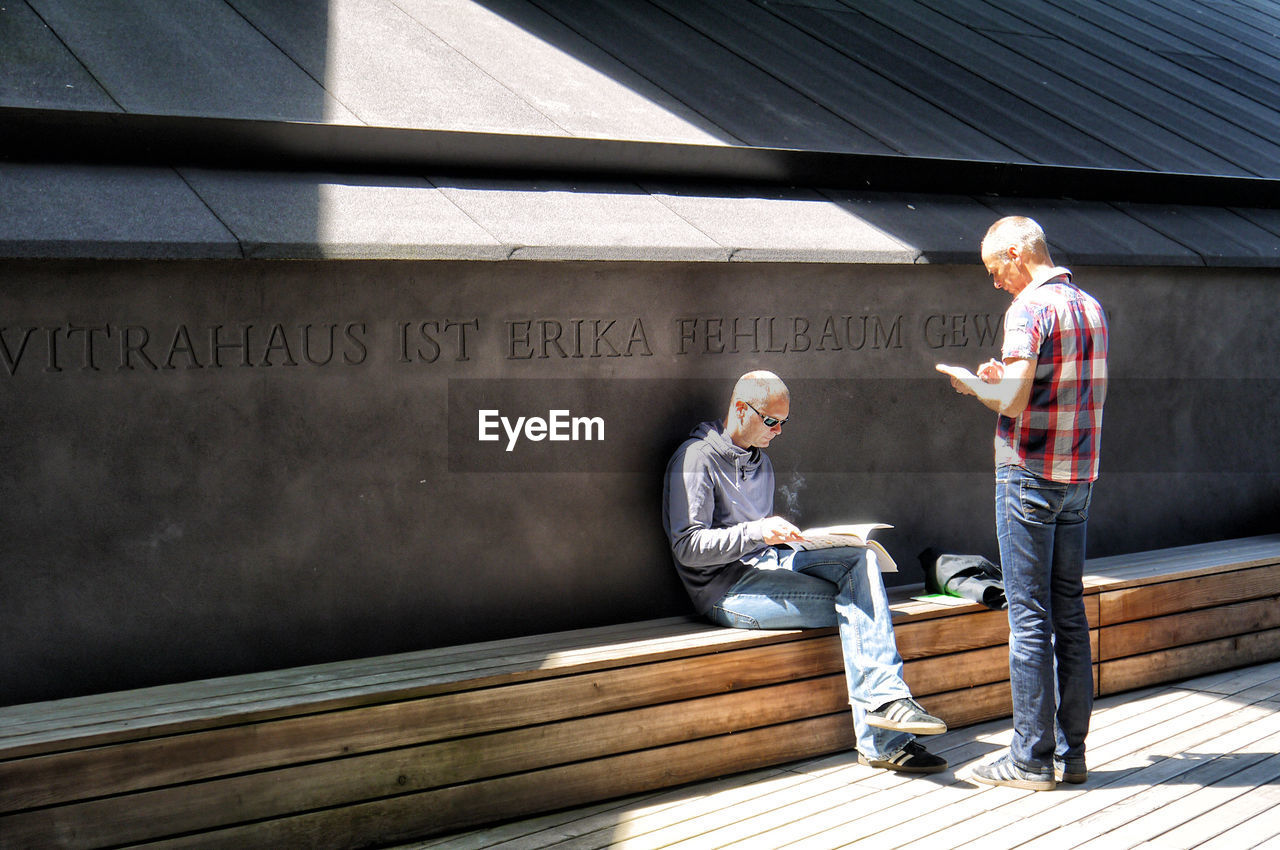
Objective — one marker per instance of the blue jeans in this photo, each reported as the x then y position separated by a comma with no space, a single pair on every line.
829,587
1041,526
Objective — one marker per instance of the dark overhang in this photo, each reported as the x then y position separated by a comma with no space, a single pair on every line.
66,136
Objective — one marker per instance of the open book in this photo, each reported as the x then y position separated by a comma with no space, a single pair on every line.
847,535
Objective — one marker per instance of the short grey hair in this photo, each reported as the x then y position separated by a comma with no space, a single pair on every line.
756,388
1019,232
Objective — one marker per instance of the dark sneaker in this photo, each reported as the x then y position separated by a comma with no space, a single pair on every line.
912,758
1073,772
905,715
1005,772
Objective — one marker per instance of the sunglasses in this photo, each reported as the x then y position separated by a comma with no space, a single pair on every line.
769,421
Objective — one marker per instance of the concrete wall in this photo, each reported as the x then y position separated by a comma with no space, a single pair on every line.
223,466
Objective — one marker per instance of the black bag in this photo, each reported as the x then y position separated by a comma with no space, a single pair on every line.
971,577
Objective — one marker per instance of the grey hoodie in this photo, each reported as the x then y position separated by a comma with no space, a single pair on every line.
714,498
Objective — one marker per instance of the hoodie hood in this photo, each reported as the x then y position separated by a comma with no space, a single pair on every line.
712,433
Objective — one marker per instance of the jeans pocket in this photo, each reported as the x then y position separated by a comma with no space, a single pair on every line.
1041,501
732,619
1076,506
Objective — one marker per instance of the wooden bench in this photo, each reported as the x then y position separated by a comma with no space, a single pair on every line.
380,750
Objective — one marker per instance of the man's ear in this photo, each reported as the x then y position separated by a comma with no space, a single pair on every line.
735,416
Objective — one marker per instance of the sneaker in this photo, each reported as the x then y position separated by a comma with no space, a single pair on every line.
1004,772
905,715
912,758
1073,772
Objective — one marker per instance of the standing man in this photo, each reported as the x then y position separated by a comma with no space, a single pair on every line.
1048,389
718,516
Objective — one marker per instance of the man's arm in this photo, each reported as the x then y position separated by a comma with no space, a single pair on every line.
1002,387
690,505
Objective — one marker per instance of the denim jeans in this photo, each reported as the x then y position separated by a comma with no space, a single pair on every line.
1041,526
829,587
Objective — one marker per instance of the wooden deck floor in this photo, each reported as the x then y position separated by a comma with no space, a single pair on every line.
1189,764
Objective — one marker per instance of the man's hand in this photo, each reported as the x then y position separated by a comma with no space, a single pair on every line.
962,380
991,372
778,530
1002,387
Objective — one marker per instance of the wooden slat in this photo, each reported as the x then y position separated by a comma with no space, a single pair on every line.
471,657
965,706
1188,594
733,809
1252,813
961,669
205,704
971,705
973,630
1232,682
1142,636
1119,771
1129,825
288,791
198,717
907,609
237,699
403,818
1184,661
1205,815
1201,559
194,756
209,703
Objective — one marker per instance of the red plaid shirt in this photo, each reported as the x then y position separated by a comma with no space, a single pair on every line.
1064,330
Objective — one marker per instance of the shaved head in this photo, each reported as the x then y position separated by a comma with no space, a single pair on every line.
758,388
757,395
1017,231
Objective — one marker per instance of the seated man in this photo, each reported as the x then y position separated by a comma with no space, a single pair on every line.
718,506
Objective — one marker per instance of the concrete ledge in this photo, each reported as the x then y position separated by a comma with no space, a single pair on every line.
83,212
106,212
301,216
